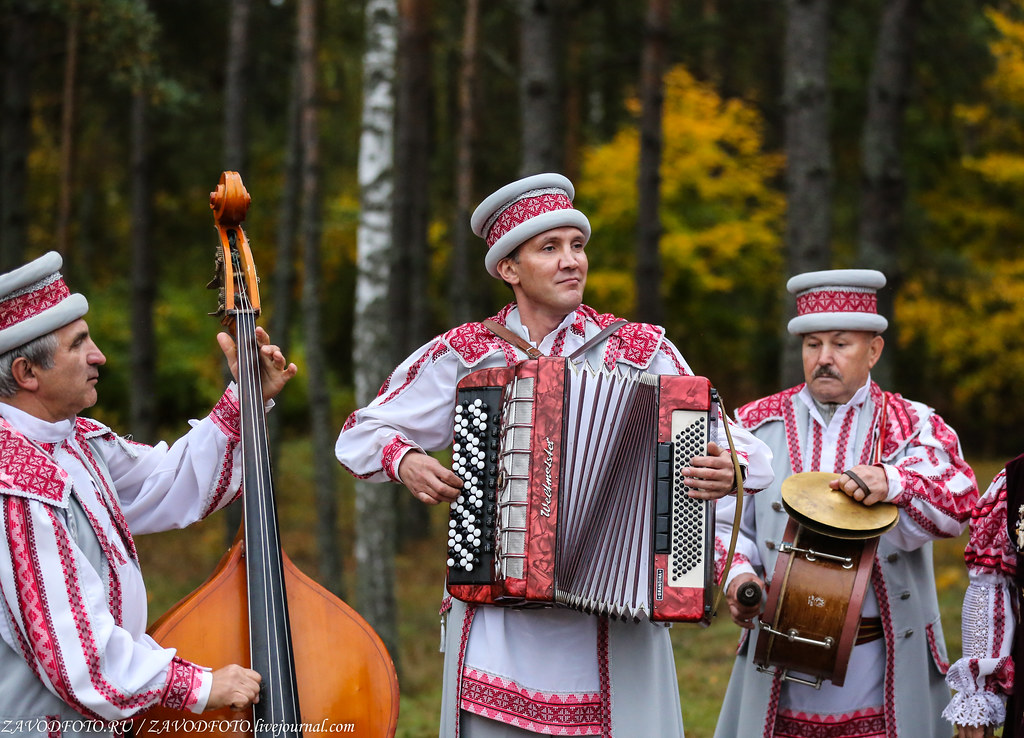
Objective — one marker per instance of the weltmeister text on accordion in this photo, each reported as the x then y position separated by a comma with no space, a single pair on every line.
572,493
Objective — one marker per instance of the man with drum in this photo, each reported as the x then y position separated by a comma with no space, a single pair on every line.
518,672
881,447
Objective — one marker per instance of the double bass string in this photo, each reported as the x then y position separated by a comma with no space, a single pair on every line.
268,614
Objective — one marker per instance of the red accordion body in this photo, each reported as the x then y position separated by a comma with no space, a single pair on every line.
572,494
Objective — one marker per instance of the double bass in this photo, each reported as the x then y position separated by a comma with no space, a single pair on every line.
324,669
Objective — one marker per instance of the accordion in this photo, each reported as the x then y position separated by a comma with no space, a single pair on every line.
572,495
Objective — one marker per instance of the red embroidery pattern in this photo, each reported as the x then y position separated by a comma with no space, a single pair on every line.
867,723
391,453
90,652
882,595
816,441
467,623
540,712
16,524
933,647
26,470
107,496
796,456
227,415
224,479
112,553
183,681
472,342
604,677
773,407
413,371
360,476
836,301
32,303
773,705
989,547
524,209
843,441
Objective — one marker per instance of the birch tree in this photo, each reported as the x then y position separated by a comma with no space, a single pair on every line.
375,503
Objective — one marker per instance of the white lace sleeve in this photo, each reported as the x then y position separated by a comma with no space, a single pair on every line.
984,676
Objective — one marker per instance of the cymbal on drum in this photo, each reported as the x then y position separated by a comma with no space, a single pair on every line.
808,498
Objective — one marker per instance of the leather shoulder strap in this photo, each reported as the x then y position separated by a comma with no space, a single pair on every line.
605,332
502,332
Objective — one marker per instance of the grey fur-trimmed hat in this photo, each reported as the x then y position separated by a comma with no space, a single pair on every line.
523,209
34,301
837,300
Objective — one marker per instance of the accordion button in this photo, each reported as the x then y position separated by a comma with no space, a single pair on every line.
661,542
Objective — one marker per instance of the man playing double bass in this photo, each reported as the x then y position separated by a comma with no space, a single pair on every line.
73,493
884,448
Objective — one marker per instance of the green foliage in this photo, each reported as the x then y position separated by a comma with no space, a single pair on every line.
967,311
721,215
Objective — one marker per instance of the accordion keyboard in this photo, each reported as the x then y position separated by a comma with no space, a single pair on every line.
471,520
689,516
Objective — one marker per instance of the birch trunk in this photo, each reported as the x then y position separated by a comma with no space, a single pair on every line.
375,503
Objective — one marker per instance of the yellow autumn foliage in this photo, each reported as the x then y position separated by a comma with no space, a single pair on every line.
722,221
968,313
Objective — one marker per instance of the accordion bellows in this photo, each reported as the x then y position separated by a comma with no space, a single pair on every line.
572,494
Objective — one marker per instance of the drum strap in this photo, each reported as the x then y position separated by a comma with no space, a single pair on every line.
737,517
870,630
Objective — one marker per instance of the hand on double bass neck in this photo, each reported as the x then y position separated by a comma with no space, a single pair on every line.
275,371
234,686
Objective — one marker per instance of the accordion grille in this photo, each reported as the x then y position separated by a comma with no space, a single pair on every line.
514,482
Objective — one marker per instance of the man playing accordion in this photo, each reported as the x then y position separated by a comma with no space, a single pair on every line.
515,671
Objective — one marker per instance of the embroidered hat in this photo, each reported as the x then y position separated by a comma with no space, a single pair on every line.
523,209
837,299
35,301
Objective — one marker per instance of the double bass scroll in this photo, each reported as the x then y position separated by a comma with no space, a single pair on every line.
324,669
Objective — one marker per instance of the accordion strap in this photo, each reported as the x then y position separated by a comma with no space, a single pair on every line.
605,332
518,341
738,516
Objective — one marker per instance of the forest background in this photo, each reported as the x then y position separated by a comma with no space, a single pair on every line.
718,146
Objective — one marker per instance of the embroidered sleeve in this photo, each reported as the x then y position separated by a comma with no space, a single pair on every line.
163,487
55,603
933,484
985,674
416,411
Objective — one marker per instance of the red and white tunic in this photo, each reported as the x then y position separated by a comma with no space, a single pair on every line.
549,671
894,684
73,606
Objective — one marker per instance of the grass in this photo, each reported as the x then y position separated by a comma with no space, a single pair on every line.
178,561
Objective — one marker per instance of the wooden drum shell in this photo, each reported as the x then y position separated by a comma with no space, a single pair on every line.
819,599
